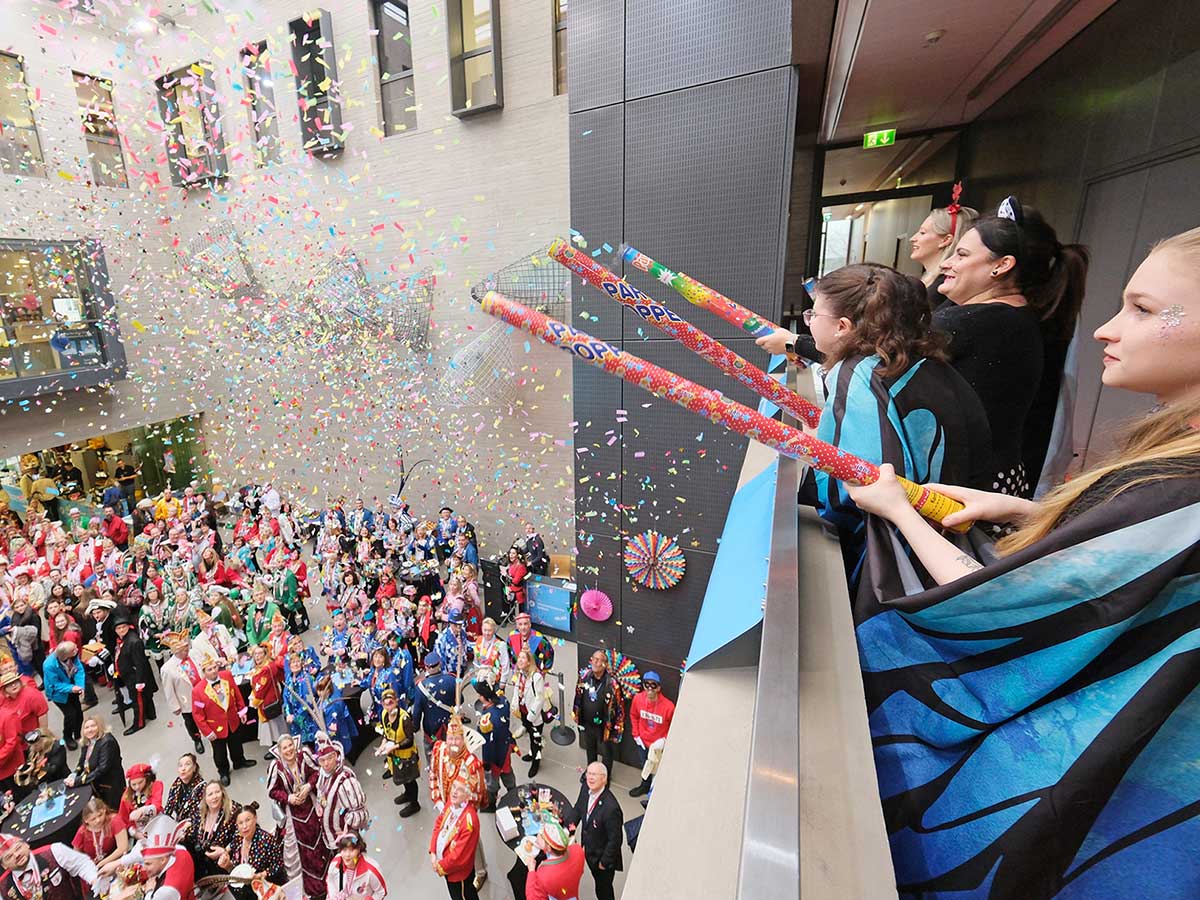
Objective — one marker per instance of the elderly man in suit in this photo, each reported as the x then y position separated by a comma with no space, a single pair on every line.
600,829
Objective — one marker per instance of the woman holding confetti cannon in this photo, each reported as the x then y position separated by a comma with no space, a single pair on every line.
892,397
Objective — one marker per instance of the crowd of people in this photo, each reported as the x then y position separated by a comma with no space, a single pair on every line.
183,615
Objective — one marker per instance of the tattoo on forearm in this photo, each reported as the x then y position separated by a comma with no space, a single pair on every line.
969,561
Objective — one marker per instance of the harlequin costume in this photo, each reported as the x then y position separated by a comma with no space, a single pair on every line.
538,644
491,661
54,872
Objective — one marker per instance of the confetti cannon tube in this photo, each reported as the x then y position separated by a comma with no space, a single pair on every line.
700,294
690,336
708,403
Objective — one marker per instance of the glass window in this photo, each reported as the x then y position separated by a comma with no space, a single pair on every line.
195,147
474,37
260,101
395,67
100,130
476,25
20,149
47,320
560,46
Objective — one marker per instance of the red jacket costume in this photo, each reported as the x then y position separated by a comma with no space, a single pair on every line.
12,741
116,529
178,878
556,879
217,707
125,811
457,862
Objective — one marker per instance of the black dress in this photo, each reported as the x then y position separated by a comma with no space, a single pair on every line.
998,350
102,769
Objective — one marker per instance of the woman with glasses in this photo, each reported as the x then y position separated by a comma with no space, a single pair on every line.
890,397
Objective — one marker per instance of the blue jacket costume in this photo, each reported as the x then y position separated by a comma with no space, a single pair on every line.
405,672
339,723
299,697
454,651
496,728
375,682
55,683
433,703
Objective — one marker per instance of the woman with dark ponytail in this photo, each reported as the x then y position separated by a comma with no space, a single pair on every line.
1015,293
890,397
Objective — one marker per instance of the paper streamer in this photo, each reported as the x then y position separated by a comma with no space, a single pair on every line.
690,336
711,405
700,294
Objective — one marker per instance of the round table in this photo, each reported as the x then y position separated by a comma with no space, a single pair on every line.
60,829
512,799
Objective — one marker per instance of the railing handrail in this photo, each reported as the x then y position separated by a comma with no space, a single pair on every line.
770,858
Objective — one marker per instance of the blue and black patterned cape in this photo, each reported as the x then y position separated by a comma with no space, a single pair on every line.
927,422
1037,724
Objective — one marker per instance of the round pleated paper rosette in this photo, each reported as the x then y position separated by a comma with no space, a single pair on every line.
624,671
654,560
596,605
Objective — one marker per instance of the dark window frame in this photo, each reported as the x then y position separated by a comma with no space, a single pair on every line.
560,25
41,172
212,164
89,136
390,78
320,139
258,50
100,322
459,57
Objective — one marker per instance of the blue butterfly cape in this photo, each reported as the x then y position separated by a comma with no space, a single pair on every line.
1036,724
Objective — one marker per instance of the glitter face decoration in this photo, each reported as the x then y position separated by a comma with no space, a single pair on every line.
1172,316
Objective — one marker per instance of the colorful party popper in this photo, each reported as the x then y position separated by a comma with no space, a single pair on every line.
737,418
691,337
700,294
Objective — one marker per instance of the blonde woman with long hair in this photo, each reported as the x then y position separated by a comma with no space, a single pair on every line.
1035,718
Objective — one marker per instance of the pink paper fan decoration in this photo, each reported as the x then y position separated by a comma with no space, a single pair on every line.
595,605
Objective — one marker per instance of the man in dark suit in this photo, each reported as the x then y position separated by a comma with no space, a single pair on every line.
133,672
600,829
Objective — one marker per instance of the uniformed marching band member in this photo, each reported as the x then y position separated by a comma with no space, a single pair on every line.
495,726
434,704
399,748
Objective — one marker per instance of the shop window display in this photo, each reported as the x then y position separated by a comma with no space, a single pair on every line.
47,310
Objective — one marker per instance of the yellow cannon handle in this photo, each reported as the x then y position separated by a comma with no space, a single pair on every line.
933,505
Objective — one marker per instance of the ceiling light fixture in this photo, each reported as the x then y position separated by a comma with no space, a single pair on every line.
934,36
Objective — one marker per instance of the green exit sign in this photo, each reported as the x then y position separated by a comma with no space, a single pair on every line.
884,138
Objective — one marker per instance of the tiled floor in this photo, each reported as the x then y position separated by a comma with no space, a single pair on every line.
399,846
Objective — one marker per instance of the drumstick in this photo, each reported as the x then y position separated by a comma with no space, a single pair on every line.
689,335
711,405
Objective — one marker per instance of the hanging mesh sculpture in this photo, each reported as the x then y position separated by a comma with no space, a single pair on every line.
481,372
217,262
534,280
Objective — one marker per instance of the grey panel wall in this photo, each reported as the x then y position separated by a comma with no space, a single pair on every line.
711,205
1104,139
671,44
682,137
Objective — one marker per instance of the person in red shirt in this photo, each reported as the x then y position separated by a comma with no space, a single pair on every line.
143,797
650,714
115,529
21,693
452,844
12,746
558,875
